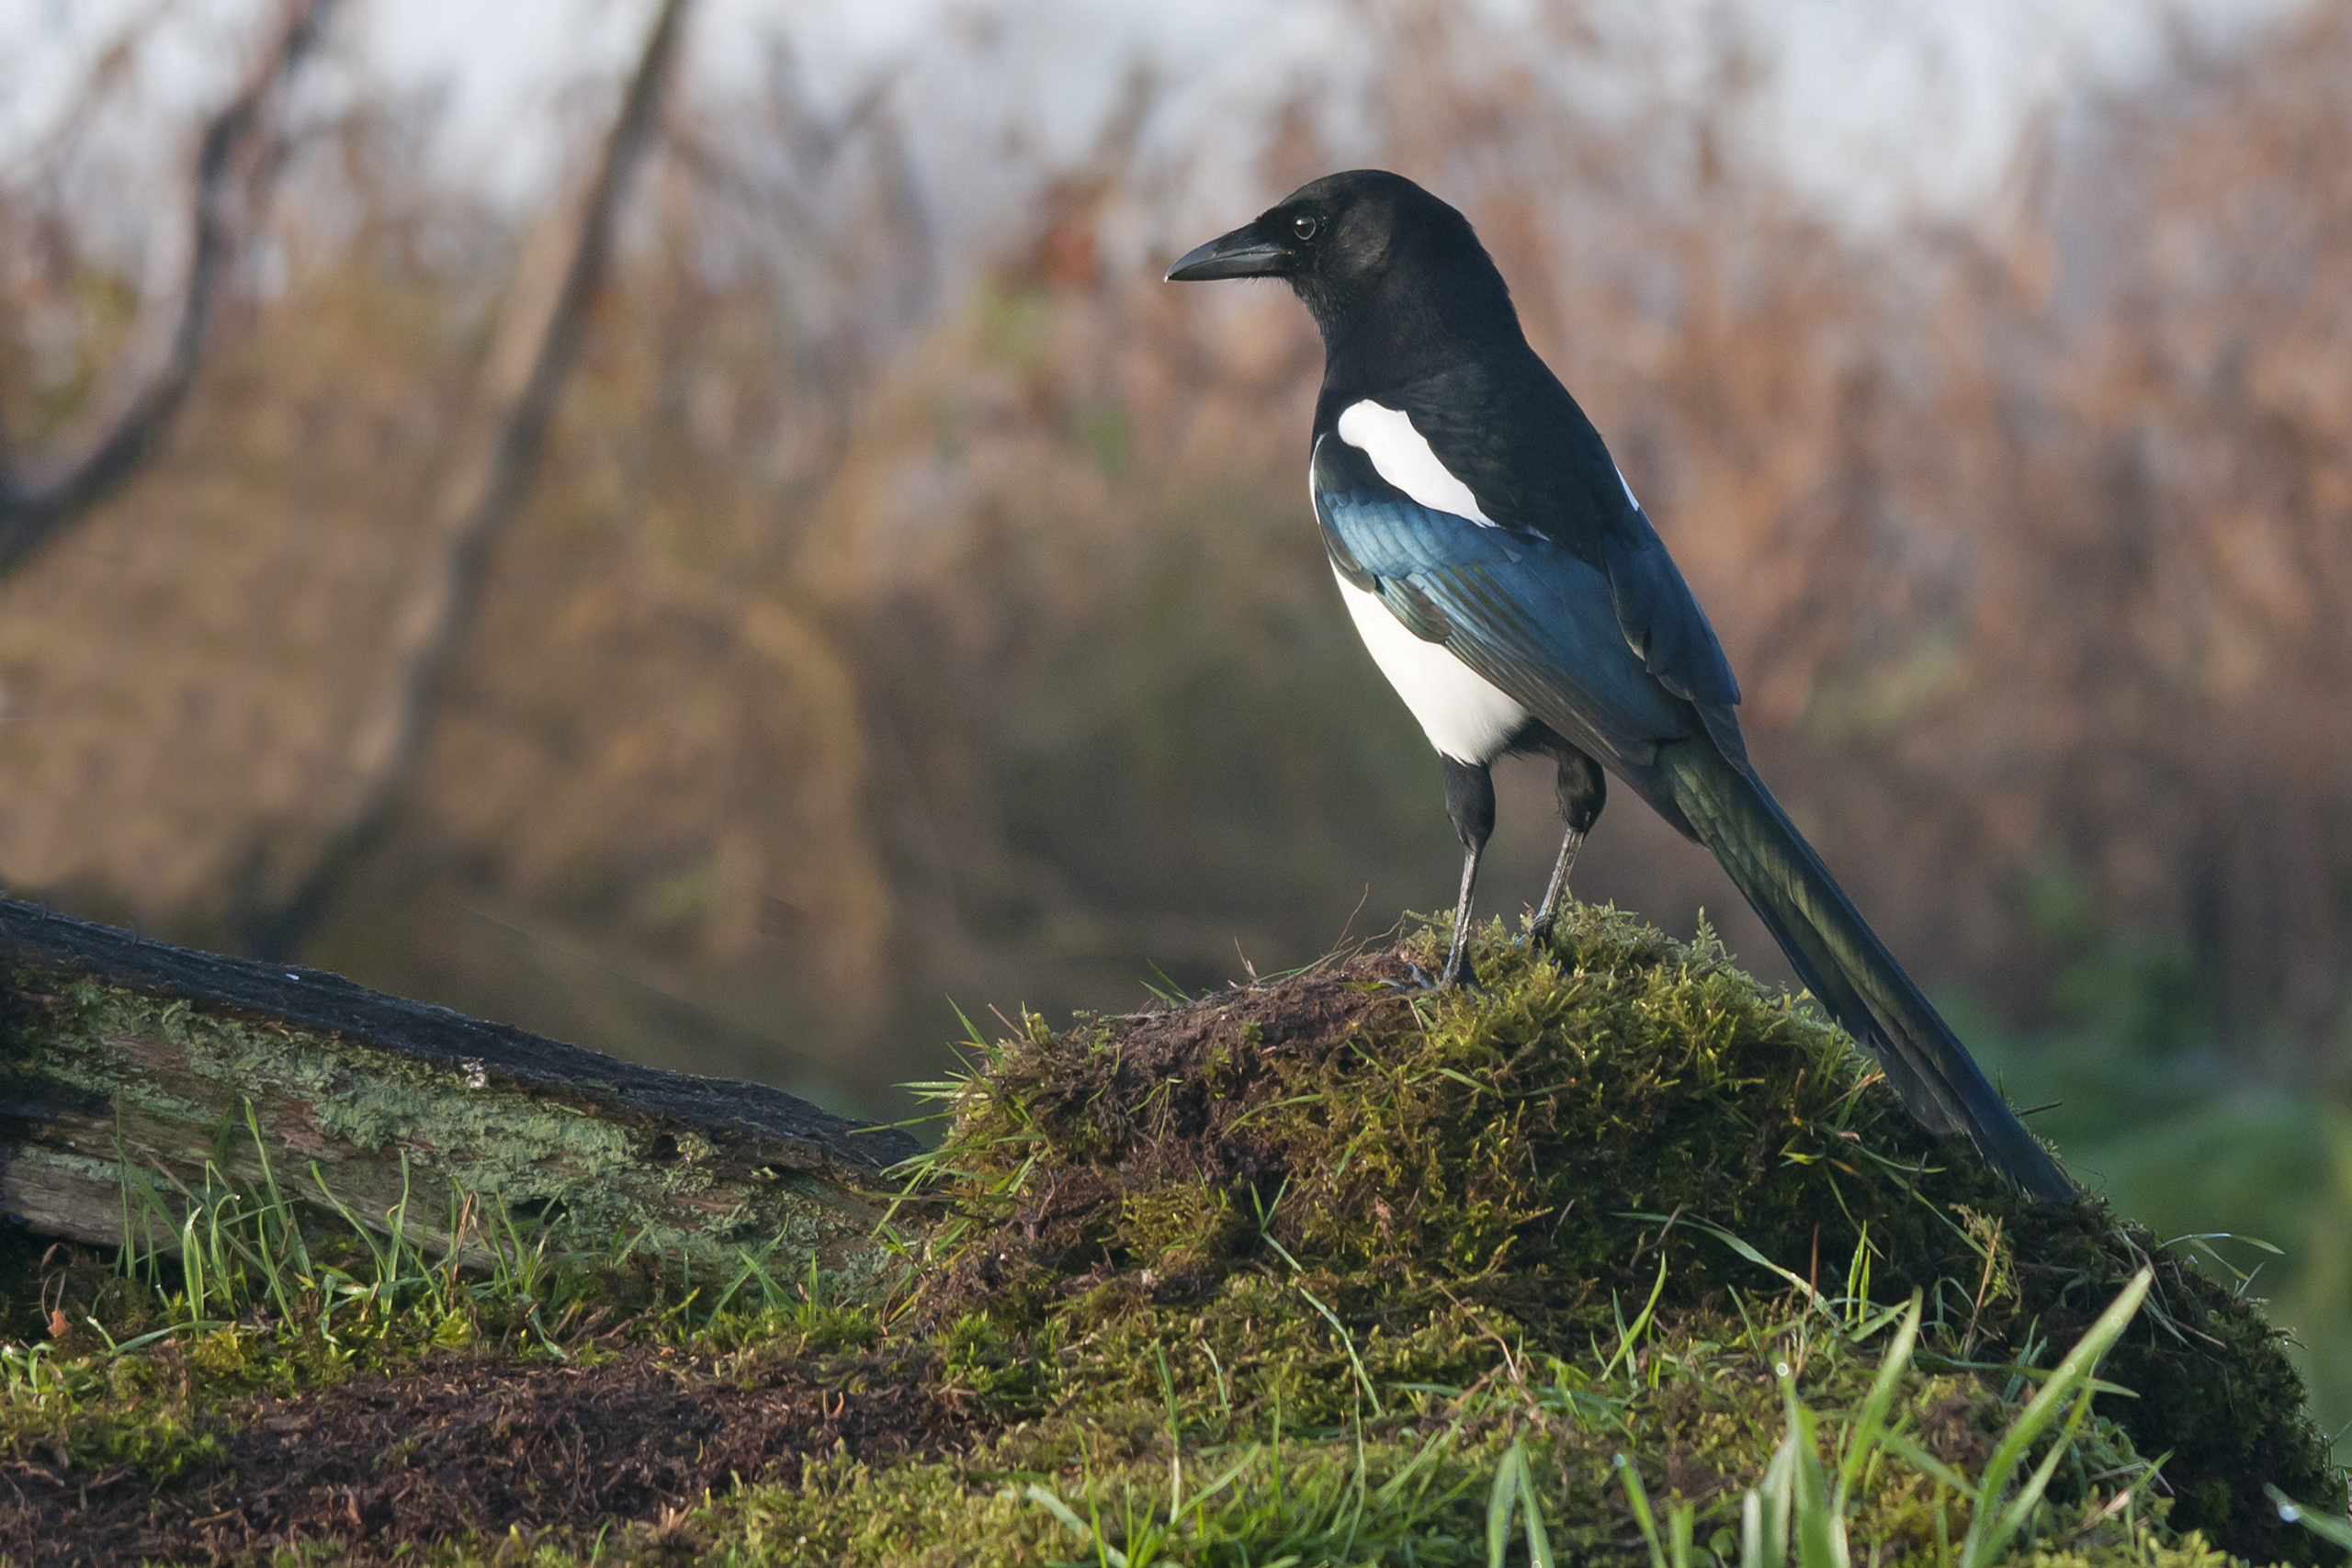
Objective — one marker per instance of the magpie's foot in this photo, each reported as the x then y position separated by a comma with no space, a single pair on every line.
1460,973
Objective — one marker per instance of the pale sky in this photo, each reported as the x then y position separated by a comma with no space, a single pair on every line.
1880,104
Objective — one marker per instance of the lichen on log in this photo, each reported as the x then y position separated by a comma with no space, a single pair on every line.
121,1055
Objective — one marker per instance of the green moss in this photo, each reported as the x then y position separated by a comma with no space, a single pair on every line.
1415,1488
173,1080
1323,1187
1296,1272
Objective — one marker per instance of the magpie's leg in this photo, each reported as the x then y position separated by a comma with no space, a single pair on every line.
1583,790
1470,801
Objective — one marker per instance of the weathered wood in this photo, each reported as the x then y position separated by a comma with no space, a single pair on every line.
117,1052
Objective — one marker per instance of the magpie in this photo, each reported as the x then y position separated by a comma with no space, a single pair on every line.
1513,590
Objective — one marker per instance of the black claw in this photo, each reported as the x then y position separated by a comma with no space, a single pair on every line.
1420,981
1459,971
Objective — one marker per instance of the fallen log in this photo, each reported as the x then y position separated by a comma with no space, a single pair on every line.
134,1064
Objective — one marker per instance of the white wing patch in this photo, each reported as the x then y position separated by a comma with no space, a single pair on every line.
1403,458
1463,713
1621,479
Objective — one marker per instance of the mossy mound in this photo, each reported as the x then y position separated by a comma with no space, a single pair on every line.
1322,1188
1320,1271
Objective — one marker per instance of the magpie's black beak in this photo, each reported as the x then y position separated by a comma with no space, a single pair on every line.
1245,252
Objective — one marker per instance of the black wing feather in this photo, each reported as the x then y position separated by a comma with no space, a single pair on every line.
1539,468
1528,616
1664,627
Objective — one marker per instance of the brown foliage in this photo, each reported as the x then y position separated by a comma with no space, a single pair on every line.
894,620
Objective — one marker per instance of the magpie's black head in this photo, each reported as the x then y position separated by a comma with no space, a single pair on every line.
1371,254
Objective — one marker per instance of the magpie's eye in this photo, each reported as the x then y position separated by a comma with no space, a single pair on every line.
1303,226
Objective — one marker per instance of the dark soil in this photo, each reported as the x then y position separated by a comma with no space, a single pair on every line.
463,1446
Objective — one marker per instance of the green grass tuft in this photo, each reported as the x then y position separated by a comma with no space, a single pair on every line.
1321,1191
1619,1259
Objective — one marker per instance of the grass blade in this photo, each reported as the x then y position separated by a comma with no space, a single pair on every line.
1991,1527
1514,1488
1500,1499
1348,1341
1863,1439
1637,1496
2329,1527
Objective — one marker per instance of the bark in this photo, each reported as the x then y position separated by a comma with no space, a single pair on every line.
125,1062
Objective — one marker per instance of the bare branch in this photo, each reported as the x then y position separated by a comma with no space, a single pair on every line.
35,512
538,340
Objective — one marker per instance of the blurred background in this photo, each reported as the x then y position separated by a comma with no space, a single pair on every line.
696,530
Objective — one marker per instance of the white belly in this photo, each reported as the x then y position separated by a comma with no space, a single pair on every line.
1461,711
